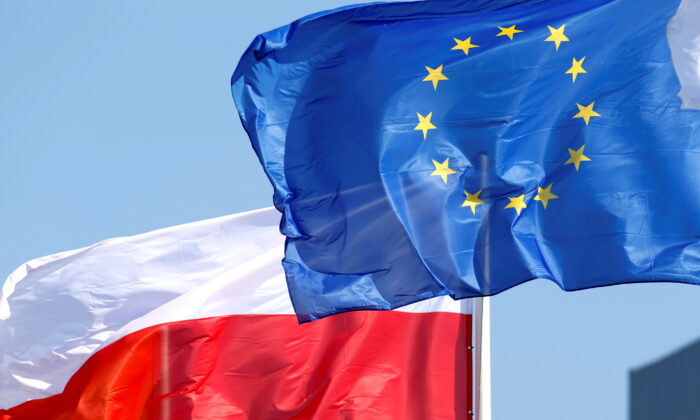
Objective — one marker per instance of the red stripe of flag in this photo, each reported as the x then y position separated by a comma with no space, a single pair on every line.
359,365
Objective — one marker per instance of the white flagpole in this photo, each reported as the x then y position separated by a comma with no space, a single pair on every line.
482,405
482,371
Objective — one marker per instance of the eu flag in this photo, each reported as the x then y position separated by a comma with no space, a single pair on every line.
463,147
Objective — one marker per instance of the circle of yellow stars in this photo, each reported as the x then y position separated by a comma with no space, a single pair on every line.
576,157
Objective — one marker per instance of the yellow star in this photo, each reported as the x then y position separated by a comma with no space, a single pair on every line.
586,112
557,36
443,169
577,157
435,75
509,32
464,45
576,68
517,203
545,194
472,200
424,124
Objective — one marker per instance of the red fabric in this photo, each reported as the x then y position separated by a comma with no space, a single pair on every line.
358,365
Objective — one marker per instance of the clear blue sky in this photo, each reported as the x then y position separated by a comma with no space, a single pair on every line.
116,118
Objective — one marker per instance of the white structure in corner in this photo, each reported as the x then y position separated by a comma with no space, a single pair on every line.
684,40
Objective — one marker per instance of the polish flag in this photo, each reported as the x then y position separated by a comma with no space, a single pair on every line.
195,321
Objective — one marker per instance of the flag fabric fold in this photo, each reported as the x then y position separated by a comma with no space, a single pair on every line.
195,322
461,148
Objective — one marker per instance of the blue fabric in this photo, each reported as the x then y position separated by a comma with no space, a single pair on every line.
330,103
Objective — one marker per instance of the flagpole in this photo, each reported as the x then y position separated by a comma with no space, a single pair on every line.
483,359
483,327
164,373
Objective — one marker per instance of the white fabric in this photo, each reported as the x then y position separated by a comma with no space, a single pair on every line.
58,310
684,41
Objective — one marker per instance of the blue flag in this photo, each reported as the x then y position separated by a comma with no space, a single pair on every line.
463,147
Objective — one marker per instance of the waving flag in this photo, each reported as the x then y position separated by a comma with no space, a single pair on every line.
195,322
463,147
